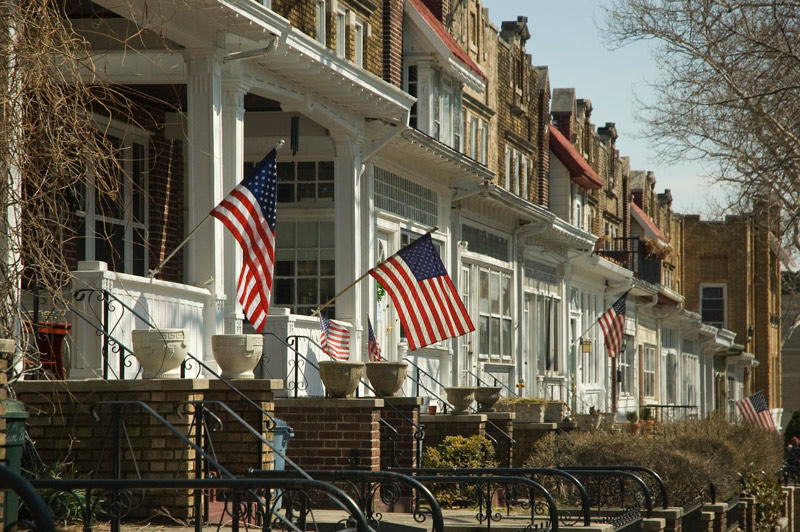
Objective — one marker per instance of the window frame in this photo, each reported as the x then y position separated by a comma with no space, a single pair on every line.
648,370
723,299
322,33
341,33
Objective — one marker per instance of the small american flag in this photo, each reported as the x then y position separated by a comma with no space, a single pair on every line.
428,304
373,347
249,212
755,410
613,324
335,339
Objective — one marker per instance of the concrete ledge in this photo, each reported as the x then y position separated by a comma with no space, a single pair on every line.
670,514
500,416
404,401
528,425
328,402
145,385
653,524
450,418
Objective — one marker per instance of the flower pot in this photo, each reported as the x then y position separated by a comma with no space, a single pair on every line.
432,410
487,396
341,378
633,427
555,411
386,377
237,354
525,411
461,397
160,352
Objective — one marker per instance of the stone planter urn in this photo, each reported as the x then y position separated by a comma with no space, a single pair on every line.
160,352
237,354
341,378
526,411
461,397
487,396
555,412
386,377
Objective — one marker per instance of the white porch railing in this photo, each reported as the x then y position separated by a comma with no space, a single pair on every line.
163,304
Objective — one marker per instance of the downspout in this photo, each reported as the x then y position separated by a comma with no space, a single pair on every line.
520,234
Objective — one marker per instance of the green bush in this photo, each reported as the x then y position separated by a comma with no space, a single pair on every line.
687,455
458,452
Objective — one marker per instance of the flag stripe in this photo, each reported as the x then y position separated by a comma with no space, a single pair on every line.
754,409
424,296
612,322
249,214
334,338
373,348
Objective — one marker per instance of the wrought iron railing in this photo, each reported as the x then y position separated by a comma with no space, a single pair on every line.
630,253
41,520
569,489
652,479
496,382
607,489
368,487
674,412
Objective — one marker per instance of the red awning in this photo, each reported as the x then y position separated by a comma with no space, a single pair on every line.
579,170
651,230
448,39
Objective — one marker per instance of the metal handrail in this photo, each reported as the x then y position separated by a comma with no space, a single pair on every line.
42,519
445,404
90,485
270,419
496,381
513,471
354,475
662,487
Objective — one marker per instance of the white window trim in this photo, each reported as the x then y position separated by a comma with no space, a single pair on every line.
360,36
341,33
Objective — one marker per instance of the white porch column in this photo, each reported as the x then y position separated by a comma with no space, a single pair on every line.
233,92
348,192
204,189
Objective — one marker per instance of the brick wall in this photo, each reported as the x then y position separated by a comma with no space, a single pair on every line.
500,426
6,352
393,42
63,430
438,427
333,433
399,450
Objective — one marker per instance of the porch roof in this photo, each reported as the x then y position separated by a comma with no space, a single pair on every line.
651,230
413,146
255,34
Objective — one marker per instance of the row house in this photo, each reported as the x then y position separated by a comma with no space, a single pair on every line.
401,116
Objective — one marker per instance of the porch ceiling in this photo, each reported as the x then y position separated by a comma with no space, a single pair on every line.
251,32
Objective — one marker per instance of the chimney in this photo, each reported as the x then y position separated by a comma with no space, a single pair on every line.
393,42
439,8
562,109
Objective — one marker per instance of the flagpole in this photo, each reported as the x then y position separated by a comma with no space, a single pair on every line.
153,273
351,285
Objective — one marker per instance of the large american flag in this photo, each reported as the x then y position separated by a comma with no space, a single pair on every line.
755,410
373,347
249,213
613,324
335,339
423,294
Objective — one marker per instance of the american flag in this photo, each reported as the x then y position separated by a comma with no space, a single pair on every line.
249,213
755,410
423,294
335,338
613,324
373,347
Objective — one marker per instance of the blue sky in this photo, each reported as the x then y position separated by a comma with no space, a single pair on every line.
566,38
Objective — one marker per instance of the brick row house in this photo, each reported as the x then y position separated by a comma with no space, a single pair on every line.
401,116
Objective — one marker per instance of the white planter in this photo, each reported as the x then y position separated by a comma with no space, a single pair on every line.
387,377
487,396
341,378
237,354
160,352
461,397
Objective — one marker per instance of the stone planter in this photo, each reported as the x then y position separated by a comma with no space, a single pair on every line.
487,396
461,397
237,354
160,352
555,412
525,411
385,377
588,422
341,378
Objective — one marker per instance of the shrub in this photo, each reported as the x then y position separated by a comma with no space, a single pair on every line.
458,452
687,455
793,428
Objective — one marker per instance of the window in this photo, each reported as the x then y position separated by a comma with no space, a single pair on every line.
494,314
321,35
305,267
649,371
114,229
473,137
358,56
400,196
690,372
627,383
484,142
712,305
671,367
341,33
304,181
436,96
547,334
524,177
513,170
485,242
412,90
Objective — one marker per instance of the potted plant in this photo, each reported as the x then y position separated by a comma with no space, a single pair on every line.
648,422
633,421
